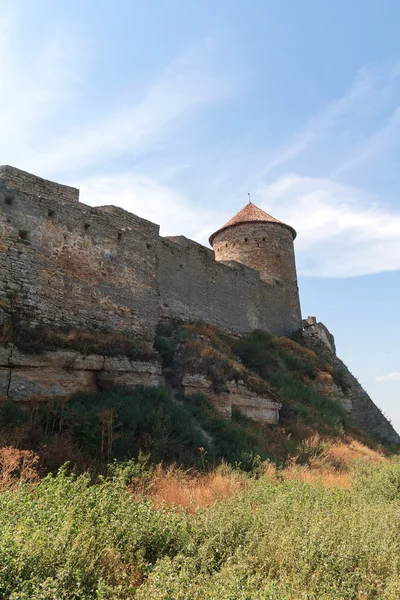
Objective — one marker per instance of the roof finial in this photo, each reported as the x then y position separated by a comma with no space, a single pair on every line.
248,193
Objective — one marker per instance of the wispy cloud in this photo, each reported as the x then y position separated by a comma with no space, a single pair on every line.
150,199
34,90
395,376
343,231
336,113
374,144
185,86
133,123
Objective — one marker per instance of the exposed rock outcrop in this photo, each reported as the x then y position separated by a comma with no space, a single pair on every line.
362,409
201,368
62,373
236,396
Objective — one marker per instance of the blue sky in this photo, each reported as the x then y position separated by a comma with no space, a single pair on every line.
175,109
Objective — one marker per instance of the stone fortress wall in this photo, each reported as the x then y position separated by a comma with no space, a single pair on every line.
68,264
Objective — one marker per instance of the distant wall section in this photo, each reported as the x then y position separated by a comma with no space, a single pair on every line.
193,285
20,181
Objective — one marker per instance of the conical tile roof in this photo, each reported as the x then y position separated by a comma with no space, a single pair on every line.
251,214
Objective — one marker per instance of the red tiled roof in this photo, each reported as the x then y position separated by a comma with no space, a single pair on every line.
250,214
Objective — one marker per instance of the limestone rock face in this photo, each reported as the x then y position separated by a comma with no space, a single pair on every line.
49,383
129,375
263,408
327,387
63,373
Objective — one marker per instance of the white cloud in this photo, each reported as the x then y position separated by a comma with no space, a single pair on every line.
46,85
186,85
342,231
33,89
151,200
395,376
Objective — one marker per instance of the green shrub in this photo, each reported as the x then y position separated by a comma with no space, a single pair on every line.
380,482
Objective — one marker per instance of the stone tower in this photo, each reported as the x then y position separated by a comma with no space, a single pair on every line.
257,240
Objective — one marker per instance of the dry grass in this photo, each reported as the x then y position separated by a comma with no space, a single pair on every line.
191,491
17,466
332,463
330,467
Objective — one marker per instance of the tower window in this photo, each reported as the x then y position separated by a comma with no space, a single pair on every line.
246,240
119,236
8,199
24,235
226,245
87,225
263,239
50,212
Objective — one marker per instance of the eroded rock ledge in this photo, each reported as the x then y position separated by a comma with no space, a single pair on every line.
62,373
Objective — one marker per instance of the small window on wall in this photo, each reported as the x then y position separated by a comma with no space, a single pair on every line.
8,200
87,226
50,212
24,235
119,236
246,239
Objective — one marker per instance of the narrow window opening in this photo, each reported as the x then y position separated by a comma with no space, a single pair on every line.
246,240
50,212
87,225
148,246
8,199
263,239
226,245
119,236
24,235
181,266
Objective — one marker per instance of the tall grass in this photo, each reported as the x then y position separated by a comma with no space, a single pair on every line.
272,539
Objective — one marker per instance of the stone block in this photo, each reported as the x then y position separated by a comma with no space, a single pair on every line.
128,380
49,383
118,363
5,352
258,408
4,381
64,359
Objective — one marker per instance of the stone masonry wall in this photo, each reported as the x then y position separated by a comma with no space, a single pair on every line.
20,181
193,285
67,264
